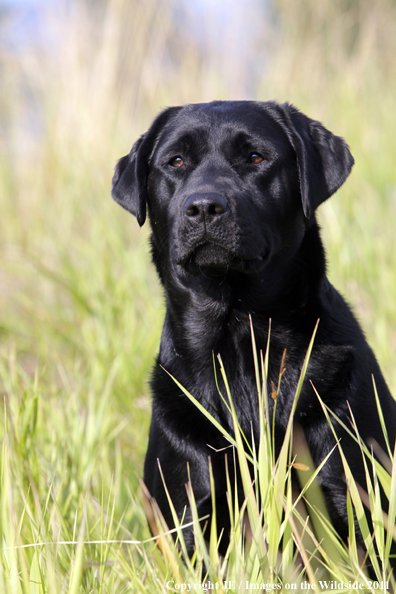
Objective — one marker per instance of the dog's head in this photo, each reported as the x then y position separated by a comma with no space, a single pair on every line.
230,184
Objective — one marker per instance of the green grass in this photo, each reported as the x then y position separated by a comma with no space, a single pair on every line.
71,520
81,309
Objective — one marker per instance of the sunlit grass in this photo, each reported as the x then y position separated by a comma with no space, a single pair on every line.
71,525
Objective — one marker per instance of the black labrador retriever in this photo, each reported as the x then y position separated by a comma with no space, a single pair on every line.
231,189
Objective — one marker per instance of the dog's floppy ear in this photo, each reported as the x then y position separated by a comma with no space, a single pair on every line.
324,160
127,190
131,172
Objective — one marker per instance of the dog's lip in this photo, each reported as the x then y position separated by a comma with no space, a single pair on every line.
236,261
251,264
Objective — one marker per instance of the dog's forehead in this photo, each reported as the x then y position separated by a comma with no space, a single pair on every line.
221,120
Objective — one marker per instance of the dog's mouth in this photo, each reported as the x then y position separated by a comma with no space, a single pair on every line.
215,260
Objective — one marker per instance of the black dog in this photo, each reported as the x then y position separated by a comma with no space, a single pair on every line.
231,190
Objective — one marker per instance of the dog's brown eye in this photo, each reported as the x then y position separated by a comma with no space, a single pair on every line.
177,162
255,158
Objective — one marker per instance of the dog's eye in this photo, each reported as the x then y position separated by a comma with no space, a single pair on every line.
176,161
255,158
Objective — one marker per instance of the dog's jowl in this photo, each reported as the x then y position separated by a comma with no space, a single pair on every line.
231,189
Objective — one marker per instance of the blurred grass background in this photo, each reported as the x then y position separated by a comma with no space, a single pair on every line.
80,306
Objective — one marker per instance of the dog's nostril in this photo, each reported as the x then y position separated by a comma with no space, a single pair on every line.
216,209
192,211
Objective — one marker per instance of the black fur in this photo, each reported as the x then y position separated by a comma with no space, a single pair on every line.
230,238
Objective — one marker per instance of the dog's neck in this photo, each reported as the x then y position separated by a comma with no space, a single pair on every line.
287,291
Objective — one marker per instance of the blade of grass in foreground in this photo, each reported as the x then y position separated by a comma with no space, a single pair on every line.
283,462
252,508
392,508
356,500
314,497
207,414
382,473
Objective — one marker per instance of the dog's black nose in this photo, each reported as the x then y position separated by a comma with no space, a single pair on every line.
199,207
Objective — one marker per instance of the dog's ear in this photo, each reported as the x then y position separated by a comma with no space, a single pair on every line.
131,172
126,188
324,160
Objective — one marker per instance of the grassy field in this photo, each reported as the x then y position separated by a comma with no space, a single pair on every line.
80,307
